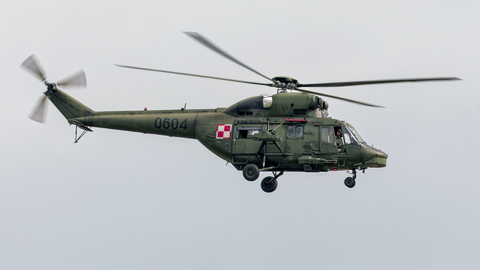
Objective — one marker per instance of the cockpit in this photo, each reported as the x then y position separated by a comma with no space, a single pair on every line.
340,135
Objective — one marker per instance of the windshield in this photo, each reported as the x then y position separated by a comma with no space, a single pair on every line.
354,133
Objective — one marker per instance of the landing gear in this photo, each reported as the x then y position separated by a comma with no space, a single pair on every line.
251,172
269,183
350,181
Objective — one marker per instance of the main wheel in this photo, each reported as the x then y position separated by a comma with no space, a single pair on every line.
251,172
269,184
349,182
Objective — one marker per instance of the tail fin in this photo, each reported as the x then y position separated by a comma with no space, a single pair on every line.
67,105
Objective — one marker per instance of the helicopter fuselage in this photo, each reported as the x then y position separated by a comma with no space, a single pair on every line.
283,132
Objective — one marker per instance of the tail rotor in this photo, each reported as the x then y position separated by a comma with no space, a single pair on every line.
32,65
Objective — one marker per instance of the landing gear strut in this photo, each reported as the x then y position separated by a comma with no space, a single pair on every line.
350,181
269,183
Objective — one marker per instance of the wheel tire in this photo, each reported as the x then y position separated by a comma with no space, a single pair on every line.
349,182
251,172
268,185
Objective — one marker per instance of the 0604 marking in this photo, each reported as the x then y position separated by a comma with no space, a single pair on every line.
167,123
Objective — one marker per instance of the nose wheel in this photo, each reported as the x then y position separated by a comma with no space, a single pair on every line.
350,181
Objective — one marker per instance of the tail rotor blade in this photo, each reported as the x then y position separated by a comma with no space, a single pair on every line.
38,113
77,79
32,65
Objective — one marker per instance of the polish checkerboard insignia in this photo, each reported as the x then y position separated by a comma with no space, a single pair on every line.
224,131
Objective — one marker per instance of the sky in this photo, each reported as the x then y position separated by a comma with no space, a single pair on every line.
120,200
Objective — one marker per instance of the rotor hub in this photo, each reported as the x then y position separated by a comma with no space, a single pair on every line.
284,83
51,87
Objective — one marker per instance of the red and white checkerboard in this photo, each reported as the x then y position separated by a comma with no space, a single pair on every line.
224,131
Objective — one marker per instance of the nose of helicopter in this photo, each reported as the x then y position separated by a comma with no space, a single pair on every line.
375,157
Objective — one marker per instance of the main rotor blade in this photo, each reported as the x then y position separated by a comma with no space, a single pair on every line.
32,65
38,113
216,49
339,84
340,98
77,79
194,75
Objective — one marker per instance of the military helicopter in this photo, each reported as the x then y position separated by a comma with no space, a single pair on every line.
283,132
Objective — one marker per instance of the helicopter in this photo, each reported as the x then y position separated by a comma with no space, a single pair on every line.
289,131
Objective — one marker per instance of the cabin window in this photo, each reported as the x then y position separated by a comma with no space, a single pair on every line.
290,132
245,133
299,132
326,134
296,131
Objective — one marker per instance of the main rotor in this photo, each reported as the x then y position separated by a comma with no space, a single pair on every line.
284,83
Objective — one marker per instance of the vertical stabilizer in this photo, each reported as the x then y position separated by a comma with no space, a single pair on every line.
67,105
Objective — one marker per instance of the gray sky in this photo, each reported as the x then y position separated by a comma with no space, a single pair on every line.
120,200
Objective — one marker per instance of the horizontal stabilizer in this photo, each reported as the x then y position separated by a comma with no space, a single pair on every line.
79,124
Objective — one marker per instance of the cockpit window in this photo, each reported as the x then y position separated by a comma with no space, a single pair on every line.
354,133
346,137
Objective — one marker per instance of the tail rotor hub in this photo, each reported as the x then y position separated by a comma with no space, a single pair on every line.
51,87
